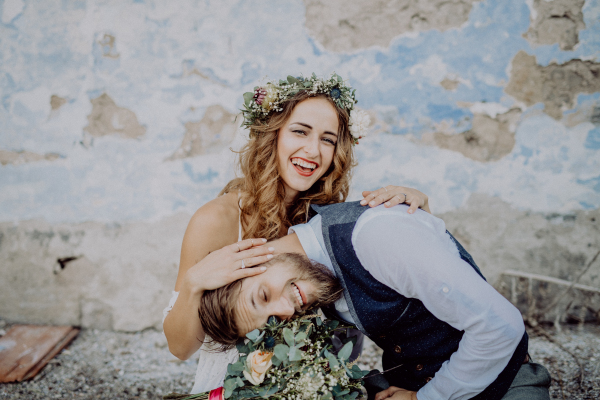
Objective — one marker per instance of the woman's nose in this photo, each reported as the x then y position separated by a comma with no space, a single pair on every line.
311,146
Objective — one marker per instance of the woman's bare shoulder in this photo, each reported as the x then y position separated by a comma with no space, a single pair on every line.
220,214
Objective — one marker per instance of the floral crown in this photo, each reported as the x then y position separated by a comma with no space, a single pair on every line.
267,99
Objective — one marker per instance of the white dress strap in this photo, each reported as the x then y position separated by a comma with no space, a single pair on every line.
240,216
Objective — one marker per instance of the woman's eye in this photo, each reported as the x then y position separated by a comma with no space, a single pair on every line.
300,132
329,141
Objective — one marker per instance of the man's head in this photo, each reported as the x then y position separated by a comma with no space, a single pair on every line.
292,283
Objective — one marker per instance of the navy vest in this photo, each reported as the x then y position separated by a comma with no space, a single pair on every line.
407,332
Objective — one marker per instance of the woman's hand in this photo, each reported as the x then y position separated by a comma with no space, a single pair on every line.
395,393
393,195
229,264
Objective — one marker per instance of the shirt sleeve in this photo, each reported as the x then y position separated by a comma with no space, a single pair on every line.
414,259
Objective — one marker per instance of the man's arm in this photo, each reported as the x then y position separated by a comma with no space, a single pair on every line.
412,255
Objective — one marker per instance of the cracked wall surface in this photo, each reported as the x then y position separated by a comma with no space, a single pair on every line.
556,85
21,157
342,25
557,21
124,288
214,132
117,124
107,118
500,237
127,287
489,139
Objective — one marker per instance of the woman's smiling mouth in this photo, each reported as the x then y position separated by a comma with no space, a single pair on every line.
303,166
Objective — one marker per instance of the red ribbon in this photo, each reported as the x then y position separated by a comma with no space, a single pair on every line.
216,394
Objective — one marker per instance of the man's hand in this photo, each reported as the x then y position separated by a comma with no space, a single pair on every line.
395,393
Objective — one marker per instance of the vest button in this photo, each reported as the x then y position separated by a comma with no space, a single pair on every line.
419,367
398,349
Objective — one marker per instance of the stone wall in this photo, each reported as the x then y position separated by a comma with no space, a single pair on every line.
117,120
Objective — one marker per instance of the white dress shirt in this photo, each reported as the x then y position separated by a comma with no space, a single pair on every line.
413,254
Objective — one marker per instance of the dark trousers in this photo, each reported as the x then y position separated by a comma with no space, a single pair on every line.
531,383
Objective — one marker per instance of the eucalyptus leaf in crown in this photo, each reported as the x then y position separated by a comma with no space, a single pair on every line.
267,99
290,360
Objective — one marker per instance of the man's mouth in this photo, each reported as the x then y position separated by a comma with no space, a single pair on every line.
304,167
298,294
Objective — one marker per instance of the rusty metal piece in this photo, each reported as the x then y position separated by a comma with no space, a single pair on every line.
26,349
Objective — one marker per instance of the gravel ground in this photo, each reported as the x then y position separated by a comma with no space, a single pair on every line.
113,365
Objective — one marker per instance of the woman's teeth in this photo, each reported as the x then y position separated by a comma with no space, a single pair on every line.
303,163
297,293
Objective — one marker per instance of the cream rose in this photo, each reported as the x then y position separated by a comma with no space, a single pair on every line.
257,365
359,124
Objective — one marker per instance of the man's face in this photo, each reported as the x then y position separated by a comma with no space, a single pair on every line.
281,290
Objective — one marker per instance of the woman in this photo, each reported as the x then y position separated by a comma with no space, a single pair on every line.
300,152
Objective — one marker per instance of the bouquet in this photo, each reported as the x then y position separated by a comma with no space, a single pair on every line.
290,360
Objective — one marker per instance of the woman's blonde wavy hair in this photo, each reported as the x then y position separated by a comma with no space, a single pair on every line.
263,207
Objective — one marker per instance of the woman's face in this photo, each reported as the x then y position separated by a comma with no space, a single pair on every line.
306,145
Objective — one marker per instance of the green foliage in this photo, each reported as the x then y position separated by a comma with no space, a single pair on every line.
345,352
281,351
253,335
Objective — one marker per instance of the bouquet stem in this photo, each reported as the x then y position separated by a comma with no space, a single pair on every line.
215,394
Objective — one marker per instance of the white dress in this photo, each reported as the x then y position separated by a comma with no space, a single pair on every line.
212,365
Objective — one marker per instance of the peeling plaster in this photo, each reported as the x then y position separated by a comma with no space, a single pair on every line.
215,131
585,113
489,139
556,85
342,25
22,157
57,102
107,118
449,84
557,21
189,68
107,42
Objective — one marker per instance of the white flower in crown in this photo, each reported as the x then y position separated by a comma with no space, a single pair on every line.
359,124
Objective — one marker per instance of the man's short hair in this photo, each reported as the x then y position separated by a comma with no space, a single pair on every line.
217,307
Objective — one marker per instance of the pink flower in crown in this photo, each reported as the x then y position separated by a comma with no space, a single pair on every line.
259,95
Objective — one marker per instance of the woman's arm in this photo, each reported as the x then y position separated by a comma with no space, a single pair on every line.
205,265
393,195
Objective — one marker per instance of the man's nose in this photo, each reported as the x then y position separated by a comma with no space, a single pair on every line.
283,309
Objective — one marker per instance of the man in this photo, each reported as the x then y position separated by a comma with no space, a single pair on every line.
413,289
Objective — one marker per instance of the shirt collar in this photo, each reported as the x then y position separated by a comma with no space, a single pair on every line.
311,239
